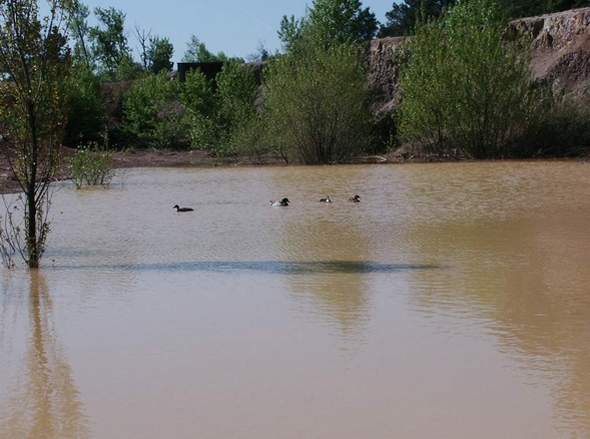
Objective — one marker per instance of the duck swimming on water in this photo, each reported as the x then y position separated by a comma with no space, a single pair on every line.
326,200
183,209
355,199
281,203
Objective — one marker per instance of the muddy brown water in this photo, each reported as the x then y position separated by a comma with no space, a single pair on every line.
452,302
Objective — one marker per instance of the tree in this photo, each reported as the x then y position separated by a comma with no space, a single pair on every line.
153,115
197,51
465,88
237,90
330,22
86,114
527,8
143,38
80,31
316,103
35,59
342,21
159,55
109,41
404,16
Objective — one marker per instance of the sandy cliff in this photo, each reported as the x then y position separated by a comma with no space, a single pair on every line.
560,55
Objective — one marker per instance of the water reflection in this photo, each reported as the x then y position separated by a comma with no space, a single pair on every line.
43,402
527,281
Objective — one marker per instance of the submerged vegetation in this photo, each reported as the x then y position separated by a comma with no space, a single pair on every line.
92,166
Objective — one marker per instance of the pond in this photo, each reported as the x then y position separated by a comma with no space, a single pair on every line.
452,301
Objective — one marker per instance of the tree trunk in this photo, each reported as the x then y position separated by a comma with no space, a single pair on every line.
32,244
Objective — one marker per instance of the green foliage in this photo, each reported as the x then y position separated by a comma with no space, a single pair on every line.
342,21
109,43
86,117
200,104
219,119
236,93
562,129
404,16
329,22
153,115
527,8
464,88
91,166
35,61
197,51
79,30
159,55
316,104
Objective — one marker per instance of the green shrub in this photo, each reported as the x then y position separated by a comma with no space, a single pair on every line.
237,118
562,129
91,166
86,117
316,103
220,120
464,87
201,107
153,113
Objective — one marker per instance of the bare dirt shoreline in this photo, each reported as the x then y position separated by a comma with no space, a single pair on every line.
203,159
163,158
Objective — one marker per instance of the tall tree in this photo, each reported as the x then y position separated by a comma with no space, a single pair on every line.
196,51
35,59
403,16
109,40
330,22
524,8
80,31
160,53
143,39
465,88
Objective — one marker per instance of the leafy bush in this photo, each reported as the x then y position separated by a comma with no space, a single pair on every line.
86,116
561,130
153,114
236,94
464,87
92,166
198,99
220,120
316,103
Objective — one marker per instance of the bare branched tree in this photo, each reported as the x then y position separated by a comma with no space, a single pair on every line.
144,38
34,61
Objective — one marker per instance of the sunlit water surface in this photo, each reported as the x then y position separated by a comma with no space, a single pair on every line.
452,302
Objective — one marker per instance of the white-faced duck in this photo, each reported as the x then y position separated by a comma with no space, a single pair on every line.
355,199
183,209
326,200
281,203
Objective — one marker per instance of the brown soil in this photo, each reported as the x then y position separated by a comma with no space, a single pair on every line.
203,159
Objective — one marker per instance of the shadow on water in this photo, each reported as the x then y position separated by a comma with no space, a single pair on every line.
269,267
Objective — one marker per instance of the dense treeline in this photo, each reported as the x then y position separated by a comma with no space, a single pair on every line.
311,102
467,92
405,15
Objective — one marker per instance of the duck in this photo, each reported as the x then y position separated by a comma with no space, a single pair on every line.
281,203
183,209
326,200
355,199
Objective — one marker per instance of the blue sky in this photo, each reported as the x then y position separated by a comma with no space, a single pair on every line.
237,27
